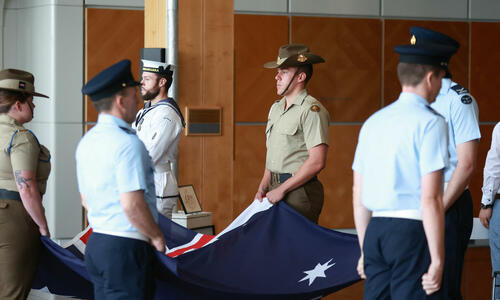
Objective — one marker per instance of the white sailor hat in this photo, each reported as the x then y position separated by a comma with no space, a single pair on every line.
156,67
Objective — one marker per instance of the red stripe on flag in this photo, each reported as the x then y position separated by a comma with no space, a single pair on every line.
84,238
201,242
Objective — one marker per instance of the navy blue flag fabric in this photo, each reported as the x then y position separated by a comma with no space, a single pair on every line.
268,252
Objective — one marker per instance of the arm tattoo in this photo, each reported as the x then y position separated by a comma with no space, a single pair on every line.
21,181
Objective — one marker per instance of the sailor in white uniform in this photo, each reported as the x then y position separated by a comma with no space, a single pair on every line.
159,125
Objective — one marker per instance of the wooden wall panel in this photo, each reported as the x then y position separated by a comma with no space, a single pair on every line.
111,35
190,52
337,177
190,91
205,71
154,21
249,164
257,39
348,84
353,292
218,91
485,59
476,274
397,32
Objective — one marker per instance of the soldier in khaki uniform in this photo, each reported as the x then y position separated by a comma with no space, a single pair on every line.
296,136
24,169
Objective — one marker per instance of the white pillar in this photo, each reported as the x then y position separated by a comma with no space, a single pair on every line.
46,38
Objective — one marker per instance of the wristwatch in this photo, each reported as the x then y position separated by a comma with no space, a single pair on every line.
486,206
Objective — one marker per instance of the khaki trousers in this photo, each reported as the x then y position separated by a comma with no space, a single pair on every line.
306,199
20,248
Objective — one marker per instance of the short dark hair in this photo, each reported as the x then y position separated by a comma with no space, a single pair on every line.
412,74
8,98
308,70
168,77
106,103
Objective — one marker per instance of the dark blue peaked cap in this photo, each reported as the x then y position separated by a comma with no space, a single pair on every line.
110,81
421,35
424,35
425,54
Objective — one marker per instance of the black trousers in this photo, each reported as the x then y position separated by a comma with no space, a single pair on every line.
395,258
459,219
120,268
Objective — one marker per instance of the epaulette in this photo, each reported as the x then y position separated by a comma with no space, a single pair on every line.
14,134
459,89
127,130
432,110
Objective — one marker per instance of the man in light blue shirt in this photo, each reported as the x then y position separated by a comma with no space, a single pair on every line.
115,179
398,184
461,113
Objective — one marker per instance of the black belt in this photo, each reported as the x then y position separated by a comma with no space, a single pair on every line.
280,177
9,195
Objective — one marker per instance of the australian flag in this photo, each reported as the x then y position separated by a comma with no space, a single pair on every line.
267,252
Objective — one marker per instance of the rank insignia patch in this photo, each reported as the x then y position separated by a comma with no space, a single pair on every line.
459,89
466,99
315,108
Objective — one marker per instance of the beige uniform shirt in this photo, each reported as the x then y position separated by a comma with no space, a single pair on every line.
291,133
20,150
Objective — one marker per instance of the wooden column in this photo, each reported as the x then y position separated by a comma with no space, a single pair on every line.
205,70
154,23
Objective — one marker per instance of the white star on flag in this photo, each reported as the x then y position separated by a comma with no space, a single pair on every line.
318,271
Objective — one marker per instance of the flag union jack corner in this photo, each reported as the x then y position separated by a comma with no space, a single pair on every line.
267,252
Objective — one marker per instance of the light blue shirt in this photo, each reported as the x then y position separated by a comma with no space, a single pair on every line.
397,146
111,160
460,111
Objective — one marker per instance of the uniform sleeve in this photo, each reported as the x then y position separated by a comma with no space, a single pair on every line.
315,126
79,169
434,148
166,128
24,152
132,167
491,172
464,119
358,164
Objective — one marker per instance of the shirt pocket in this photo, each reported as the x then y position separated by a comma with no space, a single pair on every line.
289,129
290,137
